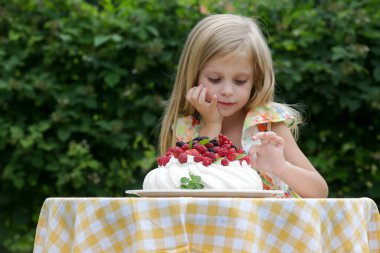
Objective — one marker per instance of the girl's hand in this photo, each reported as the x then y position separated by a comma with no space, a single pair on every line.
269,155
208,110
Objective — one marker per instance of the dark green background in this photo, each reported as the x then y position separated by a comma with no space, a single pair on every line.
83,85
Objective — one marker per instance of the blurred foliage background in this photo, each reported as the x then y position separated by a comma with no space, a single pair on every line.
83,85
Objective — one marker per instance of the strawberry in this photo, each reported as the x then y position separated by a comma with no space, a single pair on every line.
182,158
192,152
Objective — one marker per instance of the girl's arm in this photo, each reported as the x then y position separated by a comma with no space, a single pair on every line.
281,156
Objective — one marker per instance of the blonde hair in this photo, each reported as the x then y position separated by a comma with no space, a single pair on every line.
219,35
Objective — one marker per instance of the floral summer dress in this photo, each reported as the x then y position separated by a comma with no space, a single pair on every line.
256,120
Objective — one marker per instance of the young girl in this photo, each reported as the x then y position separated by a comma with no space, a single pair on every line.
225,84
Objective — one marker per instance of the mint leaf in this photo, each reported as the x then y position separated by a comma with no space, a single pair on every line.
204,141
184,180
194,182
240,156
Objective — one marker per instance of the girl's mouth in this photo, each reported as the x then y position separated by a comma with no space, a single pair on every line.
226,103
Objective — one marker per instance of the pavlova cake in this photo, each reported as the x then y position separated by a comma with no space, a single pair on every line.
204,163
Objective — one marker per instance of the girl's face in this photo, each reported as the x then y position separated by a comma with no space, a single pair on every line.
230,78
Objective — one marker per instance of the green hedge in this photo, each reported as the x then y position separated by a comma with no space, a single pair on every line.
82,87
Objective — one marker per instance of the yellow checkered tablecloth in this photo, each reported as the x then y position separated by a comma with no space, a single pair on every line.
207,225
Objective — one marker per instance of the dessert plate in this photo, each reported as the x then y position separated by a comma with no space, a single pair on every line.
209,193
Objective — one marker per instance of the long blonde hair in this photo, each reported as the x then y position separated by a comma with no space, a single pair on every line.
218,35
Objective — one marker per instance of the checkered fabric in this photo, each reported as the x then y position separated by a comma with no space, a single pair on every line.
208,225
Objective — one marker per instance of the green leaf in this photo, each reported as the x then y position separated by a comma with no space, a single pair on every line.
16,133
112,78
100,39
195,178
239,156
204,141
184,180
63,133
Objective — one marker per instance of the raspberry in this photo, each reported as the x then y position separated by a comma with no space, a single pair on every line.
165,160
185,147
198,159
159,161
223,151
168,153
231,156
182,158
177,151
225,162
209,145
206,161
162,161
227,146
209,154
216,149
200,148
245,158
240,151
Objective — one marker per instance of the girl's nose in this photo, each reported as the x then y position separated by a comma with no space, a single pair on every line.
227,89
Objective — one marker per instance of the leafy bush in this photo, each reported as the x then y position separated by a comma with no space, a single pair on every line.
82,87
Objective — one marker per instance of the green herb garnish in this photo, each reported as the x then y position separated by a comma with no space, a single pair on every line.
194,182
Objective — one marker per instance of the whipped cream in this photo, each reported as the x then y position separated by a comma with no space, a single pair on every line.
215,176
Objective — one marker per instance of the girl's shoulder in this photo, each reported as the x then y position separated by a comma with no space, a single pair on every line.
273,112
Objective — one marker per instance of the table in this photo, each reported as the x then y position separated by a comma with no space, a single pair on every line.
207,225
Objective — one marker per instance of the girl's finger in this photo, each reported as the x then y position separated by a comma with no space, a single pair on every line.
196,93
190,93
214,100
202,96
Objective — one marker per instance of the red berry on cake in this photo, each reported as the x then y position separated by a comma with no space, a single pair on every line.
225,162
177,151
206,161
182,158
245,158
210,155
185,147
201,149
209,145
240,151
231,156
192,152
198,158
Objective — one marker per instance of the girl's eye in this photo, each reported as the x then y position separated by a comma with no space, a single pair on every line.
240,82
214,80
